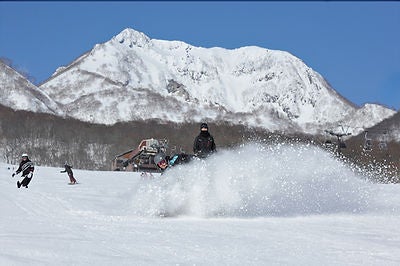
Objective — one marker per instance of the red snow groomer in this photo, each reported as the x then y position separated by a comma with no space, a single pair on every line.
140,159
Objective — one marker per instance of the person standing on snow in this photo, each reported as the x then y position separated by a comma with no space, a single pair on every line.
68,170
26,167
204,143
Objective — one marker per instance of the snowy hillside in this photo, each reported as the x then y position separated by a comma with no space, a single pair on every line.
134,77
394,128
388,129
369,114
19,94
283,212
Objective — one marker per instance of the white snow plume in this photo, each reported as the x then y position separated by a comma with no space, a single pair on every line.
256,180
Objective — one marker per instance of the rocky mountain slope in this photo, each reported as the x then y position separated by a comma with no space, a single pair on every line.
134,78
20,94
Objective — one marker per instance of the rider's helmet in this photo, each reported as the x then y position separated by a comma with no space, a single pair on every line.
159,159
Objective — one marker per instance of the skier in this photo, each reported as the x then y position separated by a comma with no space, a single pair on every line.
26,167
204,143
163,162
70,173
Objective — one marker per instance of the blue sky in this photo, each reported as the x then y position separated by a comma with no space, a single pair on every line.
354,45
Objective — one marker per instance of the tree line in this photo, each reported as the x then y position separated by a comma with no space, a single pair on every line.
51,140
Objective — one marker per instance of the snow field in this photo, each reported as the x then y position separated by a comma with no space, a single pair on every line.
255,205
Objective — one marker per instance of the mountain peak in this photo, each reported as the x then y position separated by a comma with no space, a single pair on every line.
132,37
133,77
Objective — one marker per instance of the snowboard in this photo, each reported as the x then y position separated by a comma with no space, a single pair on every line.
19,184
24,183
73,183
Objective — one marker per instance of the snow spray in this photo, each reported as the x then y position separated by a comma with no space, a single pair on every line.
256,180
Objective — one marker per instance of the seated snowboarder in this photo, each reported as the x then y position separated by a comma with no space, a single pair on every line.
163,162
70,173
27,168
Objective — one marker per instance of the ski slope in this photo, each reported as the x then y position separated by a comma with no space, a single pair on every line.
255,205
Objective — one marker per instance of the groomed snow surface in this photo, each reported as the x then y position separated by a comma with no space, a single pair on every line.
255,205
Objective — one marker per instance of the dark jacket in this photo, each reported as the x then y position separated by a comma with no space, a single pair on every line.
25,167
204,144
67,169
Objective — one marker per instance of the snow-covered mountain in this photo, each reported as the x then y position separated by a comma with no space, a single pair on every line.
20,94
133,77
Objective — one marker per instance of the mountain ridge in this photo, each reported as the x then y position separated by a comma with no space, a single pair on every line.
19,93
133,77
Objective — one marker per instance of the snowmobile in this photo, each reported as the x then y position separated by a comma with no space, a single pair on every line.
140,159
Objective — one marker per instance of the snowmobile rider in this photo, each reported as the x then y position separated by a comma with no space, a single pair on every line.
204,143
163,162
70,173
27,168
